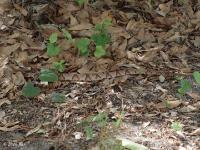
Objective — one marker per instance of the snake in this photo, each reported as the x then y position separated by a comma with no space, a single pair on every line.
88,77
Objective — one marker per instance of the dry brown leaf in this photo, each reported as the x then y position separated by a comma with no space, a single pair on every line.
7,50
18,78
73,21
196,132
21,9
4,101
64,44
149,55
82,26
4,5
195,96
21,57
121,50
118,31
2,114
164,9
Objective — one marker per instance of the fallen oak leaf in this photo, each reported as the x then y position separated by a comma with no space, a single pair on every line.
196,132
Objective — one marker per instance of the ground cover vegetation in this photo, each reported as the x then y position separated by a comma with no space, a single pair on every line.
65,74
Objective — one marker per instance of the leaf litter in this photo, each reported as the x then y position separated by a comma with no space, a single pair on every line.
160,36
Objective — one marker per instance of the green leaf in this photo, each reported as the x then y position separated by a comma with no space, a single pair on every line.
30,91
52,50
53,38
101,119
196,76
176,126
185,87
98,27
60,65
80,2
101,39
47,75
106,23
67,35
82,46
99,52
102,27
89,133
57,97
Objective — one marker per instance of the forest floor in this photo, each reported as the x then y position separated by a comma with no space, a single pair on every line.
160,36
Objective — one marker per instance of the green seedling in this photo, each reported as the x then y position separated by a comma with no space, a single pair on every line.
80,2
99,52
196,76
185,87
101,119
30,91
82,46
52,48
89,132
59,66
67,35
103,27
47,75
176,126
101,37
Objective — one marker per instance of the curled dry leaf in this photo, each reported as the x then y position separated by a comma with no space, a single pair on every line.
4,101
7,50
164,9
18,78
149,55
196,132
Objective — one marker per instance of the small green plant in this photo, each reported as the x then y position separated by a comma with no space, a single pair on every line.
67,35
47,75
52,48
83,45
99,52
100,120
89,132
196,76
80,2
59,66
176,126
101,37
185,87
30,91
